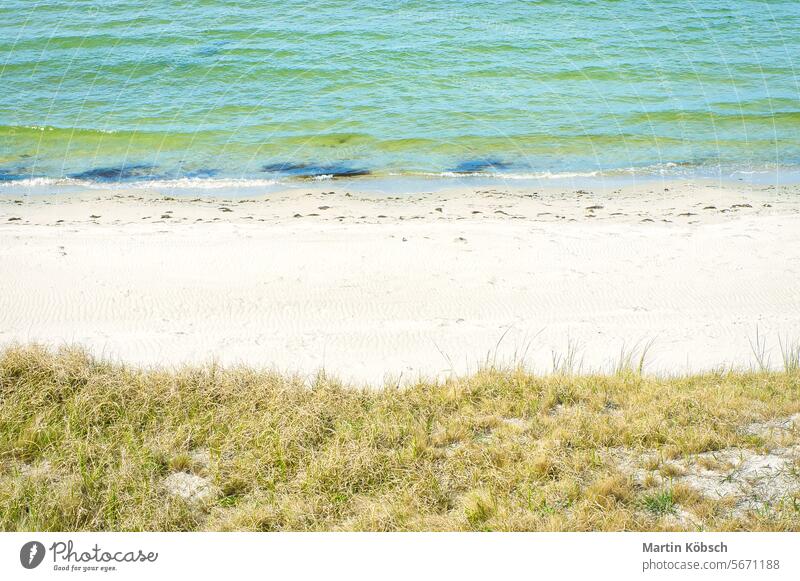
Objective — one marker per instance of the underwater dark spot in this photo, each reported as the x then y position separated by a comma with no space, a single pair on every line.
213,48
308,170
479,165
12,177
285,167
339,171
116,174
201,173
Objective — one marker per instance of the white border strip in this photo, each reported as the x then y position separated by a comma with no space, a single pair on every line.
406,556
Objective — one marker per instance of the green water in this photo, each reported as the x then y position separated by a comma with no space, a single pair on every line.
213,89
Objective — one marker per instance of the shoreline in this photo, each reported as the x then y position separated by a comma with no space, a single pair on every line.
405,184
376,288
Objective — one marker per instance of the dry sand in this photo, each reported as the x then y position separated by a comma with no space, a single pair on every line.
375,287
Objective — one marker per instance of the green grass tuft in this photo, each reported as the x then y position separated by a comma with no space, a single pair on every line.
660,503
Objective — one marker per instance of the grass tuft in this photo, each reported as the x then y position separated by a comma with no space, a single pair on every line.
790,353
660,503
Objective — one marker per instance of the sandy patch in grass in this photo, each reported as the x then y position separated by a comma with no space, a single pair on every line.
189,487
742,479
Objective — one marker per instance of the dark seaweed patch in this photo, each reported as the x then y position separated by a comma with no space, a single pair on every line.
213,48
479,165
12,177
201,173
116,174
339,171
285,167
308,170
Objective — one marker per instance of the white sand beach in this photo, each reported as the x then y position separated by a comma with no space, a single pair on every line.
375,288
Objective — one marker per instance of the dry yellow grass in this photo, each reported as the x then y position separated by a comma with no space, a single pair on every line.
89,445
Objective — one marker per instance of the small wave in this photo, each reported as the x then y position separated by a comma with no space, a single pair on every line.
671,169
665,168
44,181
202,183
515,175
177,183
51,128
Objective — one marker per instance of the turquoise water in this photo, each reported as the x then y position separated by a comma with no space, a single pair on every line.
212,89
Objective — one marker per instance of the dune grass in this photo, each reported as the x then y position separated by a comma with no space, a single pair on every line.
90,445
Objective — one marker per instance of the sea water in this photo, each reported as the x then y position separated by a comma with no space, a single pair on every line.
218,91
